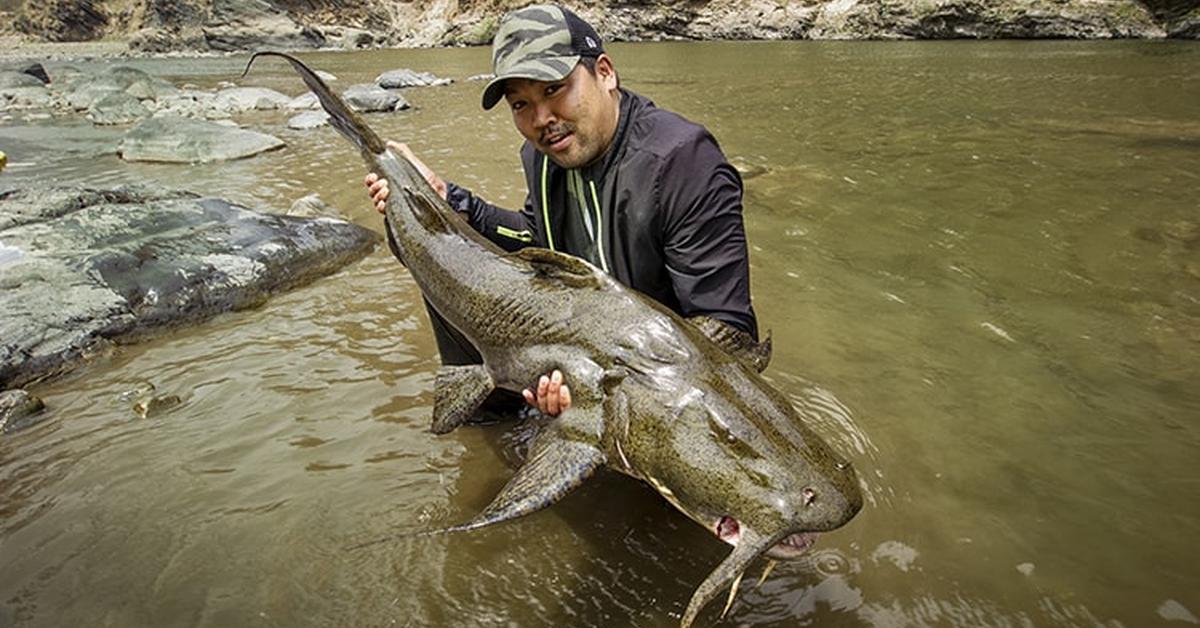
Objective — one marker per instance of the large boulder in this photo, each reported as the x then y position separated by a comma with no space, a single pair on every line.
82,267
369,97
183,140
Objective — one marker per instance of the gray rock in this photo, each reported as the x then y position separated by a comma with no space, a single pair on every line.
248,98
183,140
19,410
395,79
304,101
18,79
325,76
308,120
117,108
370,97
86,91
94,266
481,77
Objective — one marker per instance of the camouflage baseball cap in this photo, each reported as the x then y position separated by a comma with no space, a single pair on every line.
542,42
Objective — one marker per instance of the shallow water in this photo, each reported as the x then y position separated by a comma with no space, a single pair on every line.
981,266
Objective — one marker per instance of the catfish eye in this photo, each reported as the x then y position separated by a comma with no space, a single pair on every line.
810,496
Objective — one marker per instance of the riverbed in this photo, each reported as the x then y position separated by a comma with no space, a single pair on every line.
980,264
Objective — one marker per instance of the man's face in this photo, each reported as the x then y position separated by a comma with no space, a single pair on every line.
573,120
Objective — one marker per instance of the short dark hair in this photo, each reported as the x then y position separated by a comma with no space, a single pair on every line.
589,62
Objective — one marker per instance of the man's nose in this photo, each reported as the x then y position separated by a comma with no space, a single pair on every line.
543,115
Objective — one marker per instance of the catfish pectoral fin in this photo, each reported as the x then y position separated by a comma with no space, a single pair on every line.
458,391
557,464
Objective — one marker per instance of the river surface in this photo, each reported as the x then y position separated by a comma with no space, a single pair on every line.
981,266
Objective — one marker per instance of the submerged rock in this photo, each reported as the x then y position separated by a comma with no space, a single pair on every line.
183,140
147,402
369,97
91,266
19,410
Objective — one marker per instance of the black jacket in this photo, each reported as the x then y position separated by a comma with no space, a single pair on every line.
669,214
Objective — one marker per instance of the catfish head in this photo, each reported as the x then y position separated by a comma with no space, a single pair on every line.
734,455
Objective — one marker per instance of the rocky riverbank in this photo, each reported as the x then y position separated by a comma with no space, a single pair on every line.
197,26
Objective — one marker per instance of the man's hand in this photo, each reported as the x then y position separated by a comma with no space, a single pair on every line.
553,396
378,186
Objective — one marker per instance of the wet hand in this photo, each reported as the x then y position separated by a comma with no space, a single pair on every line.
552,397
378,188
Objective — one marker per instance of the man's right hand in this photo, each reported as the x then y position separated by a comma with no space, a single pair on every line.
378,186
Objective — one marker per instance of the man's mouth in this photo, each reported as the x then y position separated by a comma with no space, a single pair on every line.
557,141
791,547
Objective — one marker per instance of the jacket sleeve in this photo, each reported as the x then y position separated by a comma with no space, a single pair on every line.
510,230
704,238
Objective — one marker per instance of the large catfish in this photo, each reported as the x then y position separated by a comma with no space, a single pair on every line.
676,403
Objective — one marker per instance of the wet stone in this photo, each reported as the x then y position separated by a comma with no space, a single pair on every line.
368,97
395,79
183,140
308,120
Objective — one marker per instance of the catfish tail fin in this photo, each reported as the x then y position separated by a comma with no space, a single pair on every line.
341,116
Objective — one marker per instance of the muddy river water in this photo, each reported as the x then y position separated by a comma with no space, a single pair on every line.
981,266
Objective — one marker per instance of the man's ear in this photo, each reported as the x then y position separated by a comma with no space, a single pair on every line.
606,72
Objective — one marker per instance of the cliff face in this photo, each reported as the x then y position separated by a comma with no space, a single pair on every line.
162,25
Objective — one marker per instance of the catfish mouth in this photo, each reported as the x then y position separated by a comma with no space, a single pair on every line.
790,547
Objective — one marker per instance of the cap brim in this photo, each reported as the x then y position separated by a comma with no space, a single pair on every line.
545,69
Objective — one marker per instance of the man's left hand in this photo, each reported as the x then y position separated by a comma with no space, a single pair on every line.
552,397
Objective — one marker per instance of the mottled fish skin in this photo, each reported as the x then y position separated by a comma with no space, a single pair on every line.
653,396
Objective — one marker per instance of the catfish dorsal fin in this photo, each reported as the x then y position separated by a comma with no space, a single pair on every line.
568,269
739,344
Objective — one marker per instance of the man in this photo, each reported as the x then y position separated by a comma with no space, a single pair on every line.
639,192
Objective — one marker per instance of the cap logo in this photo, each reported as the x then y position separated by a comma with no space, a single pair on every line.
590,42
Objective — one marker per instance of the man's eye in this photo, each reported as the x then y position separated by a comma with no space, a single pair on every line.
517,106
551,90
